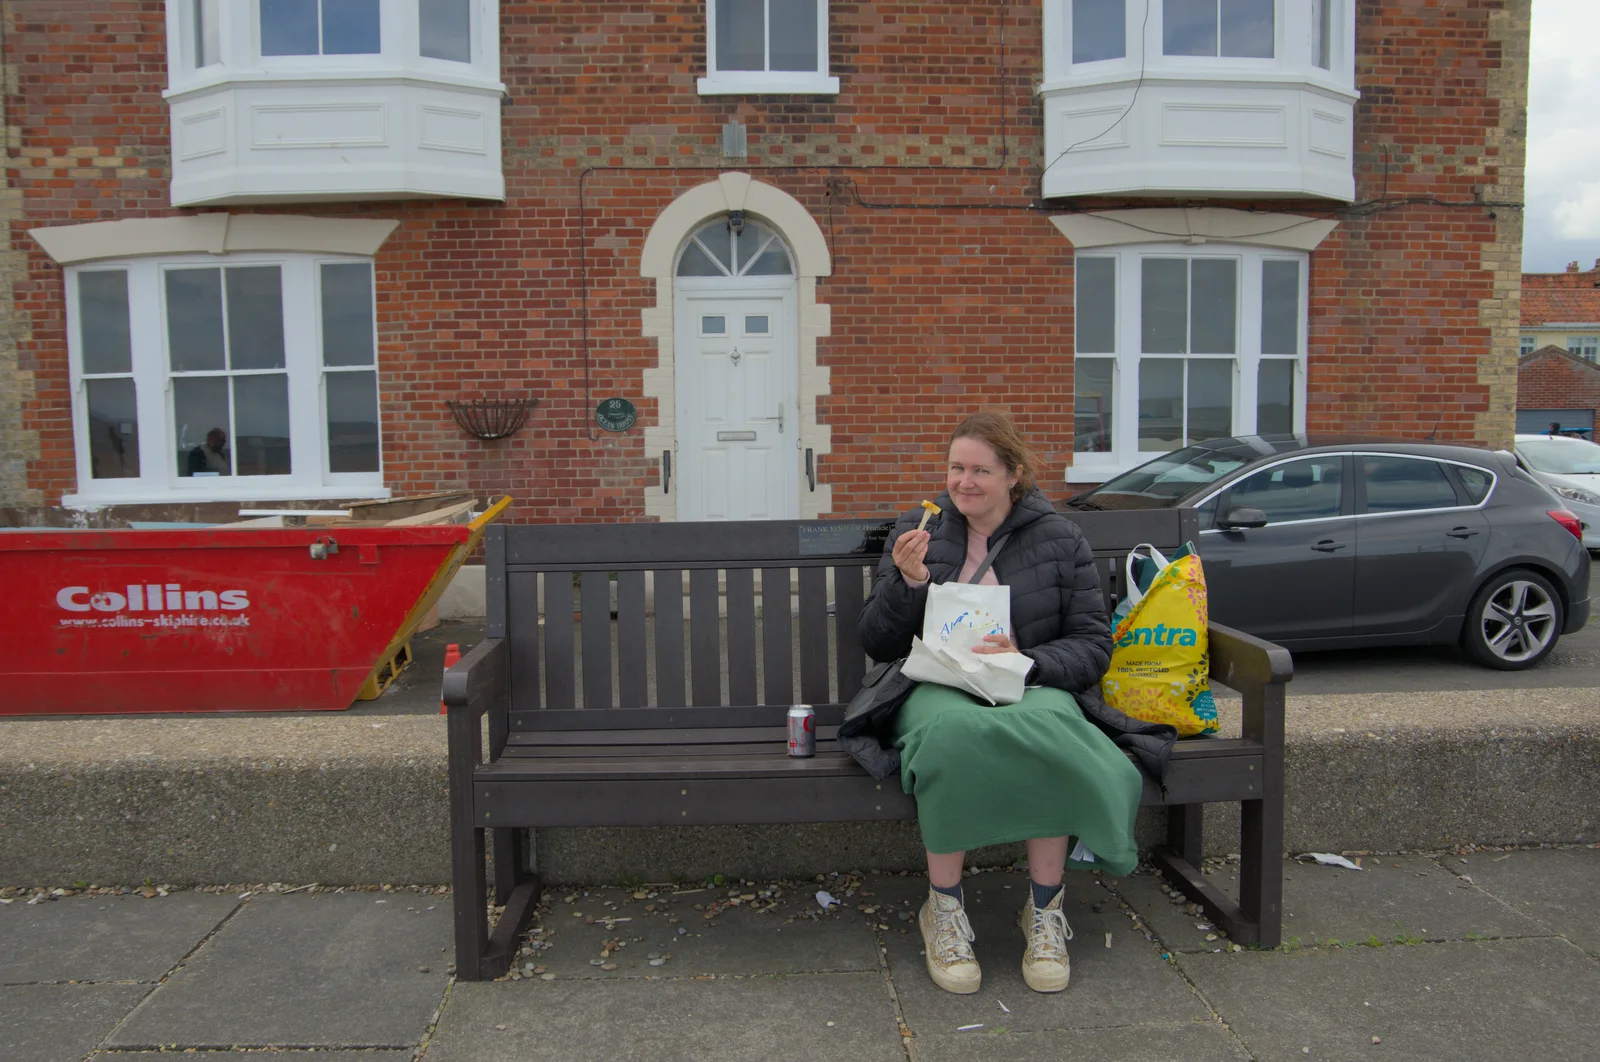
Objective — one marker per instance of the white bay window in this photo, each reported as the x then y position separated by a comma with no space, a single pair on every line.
199,379
284,100
1199,96
767,46
1175,344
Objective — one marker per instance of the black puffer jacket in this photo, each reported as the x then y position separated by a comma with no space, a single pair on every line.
1058,615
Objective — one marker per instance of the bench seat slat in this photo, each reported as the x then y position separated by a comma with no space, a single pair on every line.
730,800
659,718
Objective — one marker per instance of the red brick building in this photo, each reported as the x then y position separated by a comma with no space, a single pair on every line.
254,251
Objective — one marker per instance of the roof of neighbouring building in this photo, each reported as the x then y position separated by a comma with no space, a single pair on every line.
1543,306
1553,351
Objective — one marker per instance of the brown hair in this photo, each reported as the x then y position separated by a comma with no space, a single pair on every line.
1000,432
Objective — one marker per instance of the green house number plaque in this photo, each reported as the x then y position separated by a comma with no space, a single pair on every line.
616,414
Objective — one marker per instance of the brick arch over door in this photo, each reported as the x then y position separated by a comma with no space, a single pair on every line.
684,215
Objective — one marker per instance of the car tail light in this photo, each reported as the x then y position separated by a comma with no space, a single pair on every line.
1569,521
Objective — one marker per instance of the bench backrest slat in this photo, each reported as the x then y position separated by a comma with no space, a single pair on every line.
560,681
595,601
814,685
777,636
741,635
705,643
849,591
670,657
633,670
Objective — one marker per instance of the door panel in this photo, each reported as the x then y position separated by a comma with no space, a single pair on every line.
737,400
1414,566
1291,579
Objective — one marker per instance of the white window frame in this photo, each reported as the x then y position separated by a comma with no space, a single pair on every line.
158,480
1092,467
1292,59
1586,347
399,54
1527,344
767,82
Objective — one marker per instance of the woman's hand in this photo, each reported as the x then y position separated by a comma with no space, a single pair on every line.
910,555
995,643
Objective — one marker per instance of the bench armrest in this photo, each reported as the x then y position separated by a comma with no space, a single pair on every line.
479,682
1258,669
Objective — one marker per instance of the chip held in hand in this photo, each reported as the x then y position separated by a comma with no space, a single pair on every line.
928,509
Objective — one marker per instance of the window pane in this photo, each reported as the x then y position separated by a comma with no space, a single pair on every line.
446,29
1096,305
716,325
1280,307
288,27
1210,404
1213,327
207,33
1300,490
757,325
1322,33
352,421
741,34
1164,305
1526,345
794,34
113,429
200,426
1099,30
1275,397
1247,28
1160,404
350,27
103,322
255,318
1189,27
771,262
261,420
696,263
717,240
347,331
194,319
1476,481
1395,484
1092,405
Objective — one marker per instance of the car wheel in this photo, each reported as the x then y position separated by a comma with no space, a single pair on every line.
1513,622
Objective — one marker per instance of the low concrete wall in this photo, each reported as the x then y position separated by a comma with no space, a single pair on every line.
363,799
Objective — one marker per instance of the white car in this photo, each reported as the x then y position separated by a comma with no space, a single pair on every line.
1571,468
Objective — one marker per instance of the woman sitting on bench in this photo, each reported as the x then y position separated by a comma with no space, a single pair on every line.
1039,770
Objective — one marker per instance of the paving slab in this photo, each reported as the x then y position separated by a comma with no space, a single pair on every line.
1396,896
275,1056
1488,1000
1194,1041
1125,984
61,1023
310,970
750,1019
105,938
793,935
1558,887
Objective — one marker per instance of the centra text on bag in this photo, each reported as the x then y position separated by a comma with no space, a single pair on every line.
1160,634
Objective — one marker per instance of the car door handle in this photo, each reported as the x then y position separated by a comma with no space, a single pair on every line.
1461,532
1328,545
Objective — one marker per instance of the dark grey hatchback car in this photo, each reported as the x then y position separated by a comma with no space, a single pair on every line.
1333,543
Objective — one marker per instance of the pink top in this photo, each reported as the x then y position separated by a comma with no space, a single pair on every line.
977,549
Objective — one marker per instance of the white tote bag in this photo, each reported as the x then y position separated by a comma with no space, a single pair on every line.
957,618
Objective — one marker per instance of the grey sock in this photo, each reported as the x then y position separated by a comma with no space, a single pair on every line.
1043,894
952,890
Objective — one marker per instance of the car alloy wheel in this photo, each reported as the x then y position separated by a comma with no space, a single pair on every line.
1515,621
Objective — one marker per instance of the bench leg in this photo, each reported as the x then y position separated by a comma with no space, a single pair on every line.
469,887
1257,917
509,858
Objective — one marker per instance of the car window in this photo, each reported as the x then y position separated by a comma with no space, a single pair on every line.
1398,484
1208,513
1299,490
1476,481
1562,457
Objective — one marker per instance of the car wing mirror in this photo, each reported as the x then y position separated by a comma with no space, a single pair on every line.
1238,519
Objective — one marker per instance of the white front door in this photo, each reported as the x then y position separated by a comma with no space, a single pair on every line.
738,388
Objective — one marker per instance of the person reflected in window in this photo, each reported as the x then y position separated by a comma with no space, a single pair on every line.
212,455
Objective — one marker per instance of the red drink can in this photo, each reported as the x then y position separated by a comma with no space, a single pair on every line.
802,730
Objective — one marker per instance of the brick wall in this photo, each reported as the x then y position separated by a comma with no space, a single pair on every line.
950,287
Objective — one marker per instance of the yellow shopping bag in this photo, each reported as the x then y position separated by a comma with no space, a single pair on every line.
1159,659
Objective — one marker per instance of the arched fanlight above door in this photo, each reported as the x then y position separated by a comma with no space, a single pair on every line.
723,248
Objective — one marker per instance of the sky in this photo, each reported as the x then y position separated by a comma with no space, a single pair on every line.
1562,223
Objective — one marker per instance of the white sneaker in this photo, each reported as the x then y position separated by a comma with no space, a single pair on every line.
947,942
1045,966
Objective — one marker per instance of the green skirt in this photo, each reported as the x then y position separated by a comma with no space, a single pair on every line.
987,775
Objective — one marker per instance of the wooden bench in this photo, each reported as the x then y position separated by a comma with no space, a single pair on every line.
618,706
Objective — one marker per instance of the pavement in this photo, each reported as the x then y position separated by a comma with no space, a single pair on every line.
1469,954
